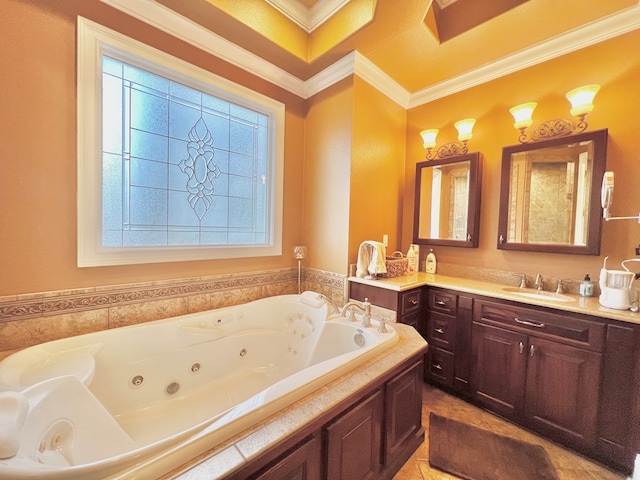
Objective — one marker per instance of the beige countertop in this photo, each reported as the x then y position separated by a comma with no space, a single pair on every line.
584,305
235,453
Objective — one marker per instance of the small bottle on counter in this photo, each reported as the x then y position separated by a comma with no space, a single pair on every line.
586,287
430,264
412,260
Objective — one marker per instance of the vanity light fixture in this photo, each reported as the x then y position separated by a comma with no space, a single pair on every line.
450,149
581,99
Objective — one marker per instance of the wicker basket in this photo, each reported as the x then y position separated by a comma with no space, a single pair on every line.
396,264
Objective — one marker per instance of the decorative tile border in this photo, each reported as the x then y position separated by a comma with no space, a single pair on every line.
63,302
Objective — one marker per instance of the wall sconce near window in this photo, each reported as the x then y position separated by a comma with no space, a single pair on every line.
581,104
450,149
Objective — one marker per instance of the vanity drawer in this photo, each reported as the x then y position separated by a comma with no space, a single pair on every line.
439,366
539,322
442,330
441,301
411,301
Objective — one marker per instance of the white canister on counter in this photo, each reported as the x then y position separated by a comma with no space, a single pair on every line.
430,263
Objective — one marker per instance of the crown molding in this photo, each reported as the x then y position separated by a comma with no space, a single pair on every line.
165,19
355,63
609,27
308,18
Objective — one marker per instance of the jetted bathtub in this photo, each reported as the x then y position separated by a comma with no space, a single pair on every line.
122,402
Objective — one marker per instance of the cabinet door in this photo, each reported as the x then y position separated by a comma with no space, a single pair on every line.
404,410
354,441
499,367
304,462
561,398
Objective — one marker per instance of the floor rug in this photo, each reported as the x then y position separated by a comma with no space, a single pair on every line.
474,454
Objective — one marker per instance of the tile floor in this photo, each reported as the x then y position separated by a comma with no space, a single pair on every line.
569,465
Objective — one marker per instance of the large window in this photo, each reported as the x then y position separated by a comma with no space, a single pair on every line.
174,162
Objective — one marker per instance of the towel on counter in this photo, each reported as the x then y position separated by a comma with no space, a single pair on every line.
371,259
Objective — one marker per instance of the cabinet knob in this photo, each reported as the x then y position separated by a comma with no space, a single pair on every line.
439,330
532,349
414,302
440,303
437,366
521,347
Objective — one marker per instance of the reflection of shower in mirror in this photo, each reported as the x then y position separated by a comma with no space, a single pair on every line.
606,199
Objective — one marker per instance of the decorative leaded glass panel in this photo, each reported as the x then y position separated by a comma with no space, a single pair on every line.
180,167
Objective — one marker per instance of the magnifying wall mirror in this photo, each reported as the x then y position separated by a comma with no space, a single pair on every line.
447,201
550,194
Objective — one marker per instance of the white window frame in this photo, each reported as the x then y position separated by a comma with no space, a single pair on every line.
94,40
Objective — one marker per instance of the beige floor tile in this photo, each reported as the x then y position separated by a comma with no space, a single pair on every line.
569,465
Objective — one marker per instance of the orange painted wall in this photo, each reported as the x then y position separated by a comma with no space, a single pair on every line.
38,150
377,170
615,65
353,174
326,177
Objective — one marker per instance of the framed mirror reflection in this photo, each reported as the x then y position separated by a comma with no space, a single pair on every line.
550,194
447,201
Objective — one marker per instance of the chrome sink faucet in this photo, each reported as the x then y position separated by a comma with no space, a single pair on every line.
364,306
539,282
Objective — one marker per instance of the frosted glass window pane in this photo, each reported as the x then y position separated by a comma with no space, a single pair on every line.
149,112
148,206
112,114
112,66
244,113
111,192
149,146
241,165
240,186
241,212
145,173
185,93
145,78
187,167
210,102
182,118
241,138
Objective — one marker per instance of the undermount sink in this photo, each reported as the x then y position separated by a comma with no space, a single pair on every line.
539,294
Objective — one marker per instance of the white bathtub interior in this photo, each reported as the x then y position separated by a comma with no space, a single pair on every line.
102,402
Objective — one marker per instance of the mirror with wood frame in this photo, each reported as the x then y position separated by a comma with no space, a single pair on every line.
447,201
550,195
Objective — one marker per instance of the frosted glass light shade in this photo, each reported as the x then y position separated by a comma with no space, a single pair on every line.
429,137
581,99
464,128
522,114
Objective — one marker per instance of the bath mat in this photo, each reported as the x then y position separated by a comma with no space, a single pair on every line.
474,454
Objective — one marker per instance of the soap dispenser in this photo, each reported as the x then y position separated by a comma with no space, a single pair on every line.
586,287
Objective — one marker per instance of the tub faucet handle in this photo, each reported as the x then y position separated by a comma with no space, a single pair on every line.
383,326
539,282
523,279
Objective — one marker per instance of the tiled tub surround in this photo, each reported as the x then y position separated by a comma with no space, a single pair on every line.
34,318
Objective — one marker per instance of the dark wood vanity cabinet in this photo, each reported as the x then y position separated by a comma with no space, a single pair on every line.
569,377
407,304
447,328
